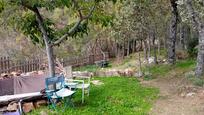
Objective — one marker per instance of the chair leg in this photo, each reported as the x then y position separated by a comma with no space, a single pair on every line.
51,104
82,95
20,107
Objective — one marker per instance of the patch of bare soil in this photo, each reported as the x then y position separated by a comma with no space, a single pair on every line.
177,96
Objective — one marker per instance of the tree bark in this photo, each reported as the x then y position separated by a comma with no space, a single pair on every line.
133,45
145,49
199,26
159,46
173,32
49,48
149,48
123,49
182,37
128,47
154,47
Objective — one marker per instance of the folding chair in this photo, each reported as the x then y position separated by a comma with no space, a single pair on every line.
58,93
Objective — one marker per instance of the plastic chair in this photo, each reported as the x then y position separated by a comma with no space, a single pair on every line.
81,84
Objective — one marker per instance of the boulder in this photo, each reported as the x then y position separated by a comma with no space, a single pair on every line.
191,94
12,106
129,72
97,82
39,103
112,72
151,60
100,73
82,73
28,107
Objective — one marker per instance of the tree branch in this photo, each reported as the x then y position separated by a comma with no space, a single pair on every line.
78,9
73,29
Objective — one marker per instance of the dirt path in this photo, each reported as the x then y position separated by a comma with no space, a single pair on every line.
177,97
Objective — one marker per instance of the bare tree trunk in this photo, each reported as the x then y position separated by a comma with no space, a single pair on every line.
49,48
123,48
140,66
128,47
182,37
154,47
199,26
173,32
145,50
133,46
159,46
149,48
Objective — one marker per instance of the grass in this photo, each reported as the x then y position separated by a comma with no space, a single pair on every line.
186,64
118,95
163,69
183,66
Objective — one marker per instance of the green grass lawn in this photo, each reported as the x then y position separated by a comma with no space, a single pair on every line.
163,69
117,96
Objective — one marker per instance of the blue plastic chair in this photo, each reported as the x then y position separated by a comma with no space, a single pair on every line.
55,91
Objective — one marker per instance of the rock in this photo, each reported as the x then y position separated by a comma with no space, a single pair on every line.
191,94
151,60
129,72
12,106
138,74
97,82
182,94
115,72
39,103
4,75
82,73
100,73
28,107
40,72
43,113
112,72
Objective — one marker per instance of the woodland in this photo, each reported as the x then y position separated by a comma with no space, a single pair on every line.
162,41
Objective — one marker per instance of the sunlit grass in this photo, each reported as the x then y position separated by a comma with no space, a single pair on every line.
117,96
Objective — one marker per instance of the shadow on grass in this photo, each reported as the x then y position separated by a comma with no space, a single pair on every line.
118,95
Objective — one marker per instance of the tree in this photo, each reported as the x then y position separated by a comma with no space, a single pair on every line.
198,24
173,33
29,18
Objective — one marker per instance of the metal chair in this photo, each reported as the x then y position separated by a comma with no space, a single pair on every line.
79,80
55,91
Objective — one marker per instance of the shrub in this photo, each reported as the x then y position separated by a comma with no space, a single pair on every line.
191,47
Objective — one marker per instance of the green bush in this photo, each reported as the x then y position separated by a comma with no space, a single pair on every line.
191,47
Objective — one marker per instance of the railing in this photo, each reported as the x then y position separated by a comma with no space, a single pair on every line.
7,65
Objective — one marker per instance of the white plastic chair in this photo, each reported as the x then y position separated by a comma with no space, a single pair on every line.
78,83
